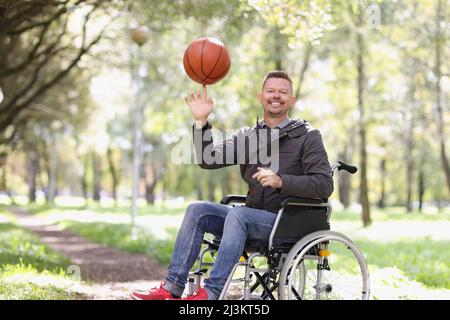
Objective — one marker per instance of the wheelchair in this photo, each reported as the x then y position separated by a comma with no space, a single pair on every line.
303,259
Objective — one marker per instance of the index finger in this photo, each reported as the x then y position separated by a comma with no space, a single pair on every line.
205,94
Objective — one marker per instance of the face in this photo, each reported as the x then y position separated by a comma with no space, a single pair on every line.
276,97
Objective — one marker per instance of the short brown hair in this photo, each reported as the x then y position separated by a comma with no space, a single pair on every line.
277,74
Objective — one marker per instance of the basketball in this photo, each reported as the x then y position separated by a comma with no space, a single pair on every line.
206,61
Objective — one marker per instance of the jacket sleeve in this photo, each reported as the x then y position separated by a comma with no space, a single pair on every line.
210,156
317,179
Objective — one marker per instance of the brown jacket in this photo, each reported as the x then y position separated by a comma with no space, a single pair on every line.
303,162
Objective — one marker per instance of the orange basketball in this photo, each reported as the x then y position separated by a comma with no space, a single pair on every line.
206,61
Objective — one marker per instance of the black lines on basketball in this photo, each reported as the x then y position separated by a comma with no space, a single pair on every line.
206,61
190,66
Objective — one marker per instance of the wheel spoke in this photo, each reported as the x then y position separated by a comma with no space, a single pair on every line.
343,273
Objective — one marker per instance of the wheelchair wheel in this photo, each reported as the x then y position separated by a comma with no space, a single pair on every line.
324,265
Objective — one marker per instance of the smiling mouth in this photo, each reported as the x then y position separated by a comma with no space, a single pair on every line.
275,104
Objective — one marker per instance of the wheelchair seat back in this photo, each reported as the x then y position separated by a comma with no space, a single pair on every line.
297,222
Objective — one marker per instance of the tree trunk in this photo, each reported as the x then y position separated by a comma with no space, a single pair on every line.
364,196
3,157
243,187
153,172
163,190
439,205
226,184
409,190
344,178
211,188
305,64
83,179
3,184
344,183
32,172
52,170
410,110
438,74
382,200
278,48
96,167
421,187
409,158
198,192
3,178
114,174
150,192
150,184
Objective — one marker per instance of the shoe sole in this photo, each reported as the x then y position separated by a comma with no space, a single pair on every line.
135,297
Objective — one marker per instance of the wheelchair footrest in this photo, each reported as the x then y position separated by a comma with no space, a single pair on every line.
255,297
238,280
258,270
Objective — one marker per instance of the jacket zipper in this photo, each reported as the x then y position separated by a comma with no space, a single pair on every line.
262,197
285,133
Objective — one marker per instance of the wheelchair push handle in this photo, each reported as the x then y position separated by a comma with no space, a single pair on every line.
345,166
233,198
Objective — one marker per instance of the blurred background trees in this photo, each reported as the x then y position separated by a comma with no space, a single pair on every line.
373,76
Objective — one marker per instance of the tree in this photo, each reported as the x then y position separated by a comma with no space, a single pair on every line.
298,25
361,84
440,37
64,111
37,50
419,35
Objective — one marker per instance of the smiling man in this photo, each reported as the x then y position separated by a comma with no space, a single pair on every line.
302,170
276,97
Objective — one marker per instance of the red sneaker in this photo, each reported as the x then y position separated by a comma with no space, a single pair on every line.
200,295
153,294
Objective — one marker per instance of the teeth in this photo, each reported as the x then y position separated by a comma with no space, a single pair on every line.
275,104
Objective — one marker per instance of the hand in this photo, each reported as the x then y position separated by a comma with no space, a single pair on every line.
268,178
200,105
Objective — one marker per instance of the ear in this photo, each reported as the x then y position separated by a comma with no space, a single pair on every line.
293,100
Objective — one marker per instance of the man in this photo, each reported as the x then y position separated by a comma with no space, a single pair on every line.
303,171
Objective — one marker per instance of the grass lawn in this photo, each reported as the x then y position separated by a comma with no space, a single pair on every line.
407,253
29,269
121,236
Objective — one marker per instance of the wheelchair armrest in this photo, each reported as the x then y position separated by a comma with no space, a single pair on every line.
298,200
233,198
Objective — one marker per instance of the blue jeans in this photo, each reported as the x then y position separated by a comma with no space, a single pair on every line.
235,226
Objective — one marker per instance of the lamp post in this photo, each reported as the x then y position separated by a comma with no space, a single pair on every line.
139,36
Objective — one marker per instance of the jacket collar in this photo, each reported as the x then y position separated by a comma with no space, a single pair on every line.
295,128
280,126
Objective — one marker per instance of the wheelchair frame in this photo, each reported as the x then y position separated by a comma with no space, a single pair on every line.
281,261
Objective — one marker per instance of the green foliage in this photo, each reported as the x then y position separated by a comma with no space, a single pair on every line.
92,206
300,20
260,35
24,282
121,236
422,260
29,269
22,247
393,214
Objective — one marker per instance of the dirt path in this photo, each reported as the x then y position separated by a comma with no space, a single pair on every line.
111,273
